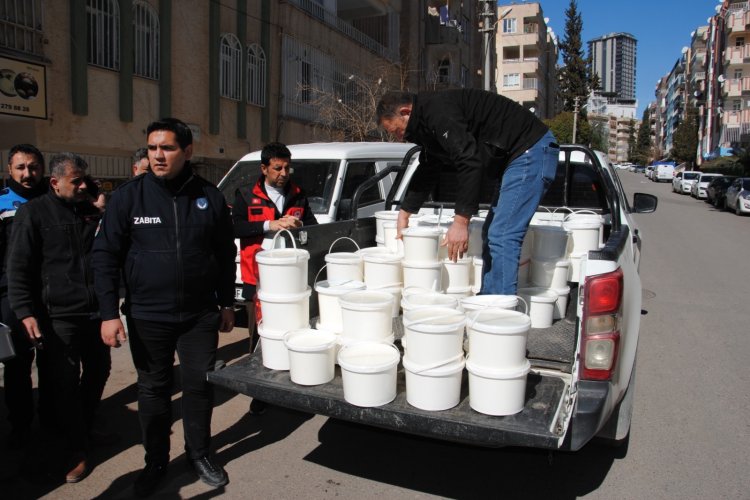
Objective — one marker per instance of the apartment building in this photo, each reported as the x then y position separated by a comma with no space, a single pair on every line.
527,52
660,117
735,76
613,58
613,118
93,73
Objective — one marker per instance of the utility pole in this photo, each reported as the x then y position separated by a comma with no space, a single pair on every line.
575,117
488,29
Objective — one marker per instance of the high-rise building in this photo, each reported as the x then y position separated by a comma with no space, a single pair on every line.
613,60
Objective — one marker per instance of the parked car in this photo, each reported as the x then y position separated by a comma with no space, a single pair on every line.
698,189
639,169
686,182
649,171
738,196
717,189
662,173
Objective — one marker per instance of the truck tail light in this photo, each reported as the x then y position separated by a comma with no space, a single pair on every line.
602,313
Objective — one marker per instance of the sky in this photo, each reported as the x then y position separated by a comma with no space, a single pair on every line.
662,28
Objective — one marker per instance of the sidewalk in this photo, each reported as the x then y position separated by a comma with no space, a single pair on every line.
115,467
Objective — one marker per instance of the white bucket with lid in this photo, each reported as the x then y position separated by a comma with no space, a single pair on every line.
389,240
433,388
456,274
282,270
382,217
435,220
366,315
541,305
368,373
586,230
427,298
459,292
285,311
274,354
475,237
328,302
421,243
434,335
396,292
549,242
343,266
381,250
482,302
561,306
497,337
311,356
551,273
497,392
422,274
382,270
476,282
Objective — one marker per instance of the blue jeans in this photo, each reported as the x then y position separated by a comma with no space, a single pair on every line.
524,183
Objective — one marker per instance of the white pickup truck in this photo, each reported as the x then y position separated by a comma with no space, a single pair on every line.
583,366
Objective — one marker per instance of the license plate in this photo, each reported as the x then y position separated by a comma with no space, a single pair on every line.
238,294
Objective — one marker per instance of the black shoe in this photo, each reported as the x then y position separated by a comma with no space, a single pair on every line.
209,472
149,479
258,407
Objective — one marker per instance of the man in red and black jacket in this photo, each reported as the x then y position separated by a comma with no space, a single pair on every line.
273,203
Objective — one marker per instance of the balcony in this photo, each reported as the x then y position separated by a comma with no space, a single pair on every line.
737,87
738,21
698,76
737,55
530,83
736,118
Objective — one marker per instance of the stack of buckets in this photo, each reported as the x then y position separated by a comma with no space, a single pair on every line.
497,363
284,300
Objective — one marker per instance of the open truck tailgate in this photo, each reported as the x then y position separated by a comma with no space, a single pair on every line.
533,426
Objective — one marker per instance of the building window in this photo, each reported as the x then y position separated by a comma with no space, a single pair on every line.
509,25
256,75
146,40
512,80
103,33
230,64
738,73
21,26
739,41
736,105
444,71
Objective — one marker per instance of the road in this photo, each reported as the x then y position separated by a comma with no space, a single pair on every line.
689,435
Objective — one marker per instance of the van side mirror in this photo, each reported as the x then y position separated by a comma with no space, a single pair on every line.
644,203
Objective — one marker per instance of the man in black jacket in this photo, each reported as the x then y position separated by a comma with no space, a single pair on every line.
26,181
476,131
51,291
169,233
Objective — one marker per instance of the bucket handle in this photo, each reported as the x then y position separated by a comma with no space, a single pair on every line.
582,211
439,364
343,238
291,237
387,285
425,320
315,280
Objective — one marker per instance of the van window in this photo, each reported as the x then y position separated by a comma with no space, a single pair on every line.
578,186
315,177
356,174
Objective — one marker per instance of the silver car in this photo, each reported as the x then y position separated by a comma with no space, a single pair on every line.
698,189
738,196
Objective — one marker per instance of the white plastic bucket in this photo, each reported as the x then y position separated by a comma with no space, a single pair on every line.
475,236
381,250
433,388
541,305
274,354
561,306
396,292
366,315
435,220
497,338
422,275
328,302
389,238
285,311
497,392
549,242
382,270
343,266
586,230
434,335
575,266
482,302
427,298
381,217
421,243
456,274
368,372
550,273
459,292
311,356
282,270
477,264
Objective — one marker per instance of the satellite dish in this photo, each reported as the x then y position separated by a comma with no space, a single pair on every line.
684,50
721,78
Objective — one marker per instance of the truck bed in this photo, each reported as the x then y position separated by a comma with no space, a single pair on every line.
533,426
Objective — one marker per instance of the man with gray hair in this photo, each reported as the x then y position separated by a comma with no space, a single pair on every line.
51,291
141,164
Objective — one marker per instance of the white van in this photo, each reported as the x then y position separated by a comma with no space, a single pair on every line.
663,173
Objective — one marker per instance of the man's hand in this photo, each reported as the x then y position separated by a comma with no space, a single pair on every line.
113,333
227,320
32,330
457,238
402,222
286,222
